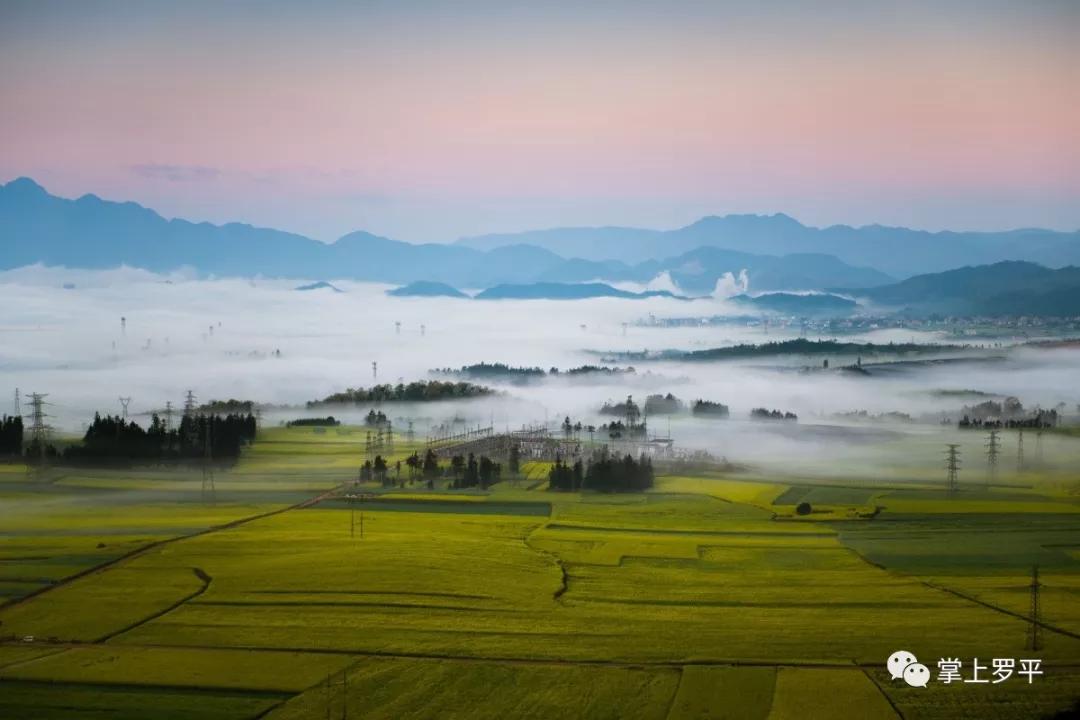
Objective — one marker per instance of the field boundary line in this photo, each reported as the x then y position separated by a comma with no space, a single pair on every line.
884,694
199,573
1020,616
963,596
86,572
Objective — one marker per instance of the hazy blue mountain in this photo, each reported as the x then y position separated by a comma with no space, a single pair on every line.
321,285
697,271
564,291
94,233
798,304
426,289
1004,288
897,251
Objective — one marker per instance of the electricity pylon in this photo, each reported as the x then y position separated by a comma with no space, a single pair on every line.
992,448
952,464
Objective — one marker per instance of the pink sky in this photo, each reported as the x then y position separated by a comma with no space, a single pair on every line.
424,124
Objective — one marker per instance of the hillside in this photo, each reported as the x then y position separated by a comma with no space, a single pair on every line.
1005,288
897,251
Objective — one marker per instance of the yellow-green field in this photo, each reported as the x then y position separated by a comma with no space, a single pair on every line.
707,597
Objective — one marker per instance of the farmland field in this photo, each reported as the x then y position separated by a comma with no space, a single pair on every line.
706,597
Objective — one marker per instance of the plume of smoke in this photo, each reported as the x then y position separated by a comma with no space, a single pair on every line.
728,285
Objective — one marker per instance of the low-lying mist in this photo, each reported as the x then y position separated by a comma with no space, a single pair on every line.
263,340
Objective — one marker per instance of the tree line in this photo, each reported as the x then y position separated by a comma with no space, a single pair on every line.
766,414
708,408
112,438
521,375
462,471
421,391
328,421
11,435
603,472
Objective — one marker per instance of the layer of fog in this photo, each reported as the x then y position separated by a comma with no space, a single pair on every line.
220,338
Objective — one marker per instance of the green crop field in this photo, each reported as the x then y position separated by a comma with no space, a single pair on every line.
134,594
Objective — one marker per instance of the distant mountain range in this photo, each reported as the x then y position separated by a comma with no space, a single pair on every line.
897,251
1004,288
567,291
423,288
93,233
777,252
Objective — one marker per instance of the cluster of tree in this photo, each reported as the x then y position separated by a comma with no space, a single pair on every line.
375,471
11,435
111,438
376,419
618,430
663,405
463,472
521,375
227,407
707,408
654,405
766,414
571,428
628,408
495,371
1009,408
603,472
595,370
470,472
1041,419
890,416
328,421
803,346
422,391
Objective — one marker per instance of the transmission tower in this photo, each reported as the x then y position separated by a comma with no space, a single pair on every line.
952,464
39,431
124,402
992,448
208,490
410,434
168,415
189,404
1034,640
18,404
1020,451
423,329
397,327
123,325
374,370
389,438
1038,448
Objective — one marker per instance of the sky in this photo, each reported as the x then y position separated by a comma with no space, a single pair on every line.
428,121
